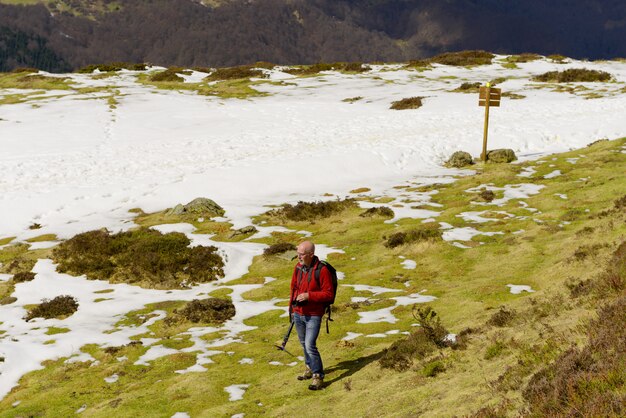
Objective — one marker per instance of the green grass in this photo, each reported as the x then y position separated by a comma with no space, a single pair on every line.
498,358
33,82
226,89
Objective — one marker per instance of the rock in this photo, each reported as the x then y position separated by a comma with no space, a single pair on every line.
198,206
244,231
503,155
460,159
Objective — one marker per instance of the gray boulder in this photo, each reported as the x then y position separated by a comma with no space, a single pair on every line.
244,231
503,155
460,159
198,207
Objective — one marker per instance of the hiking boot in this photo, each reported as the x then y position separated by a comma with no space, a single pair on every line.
307,374
317,383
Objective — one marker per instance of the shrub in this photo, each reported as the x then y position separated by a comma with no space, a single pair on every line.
578,288
141,255
167,75
382,211
279,248
424,340
233,73
494,350
414,235
408,103
573,75
23,276
486,195
502,318
306,211
400,355
25,70
112,67
433,368
588,381
352,67
59,307
584,251
469,87
431,324
208,310
613,279
559,59
463,58
525,57
620,204
355,67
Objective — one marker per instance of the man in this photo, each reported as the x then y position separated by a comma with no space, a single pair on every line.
306,305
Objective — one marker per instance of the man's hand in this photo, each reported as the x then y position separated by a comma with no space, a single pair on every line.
302,297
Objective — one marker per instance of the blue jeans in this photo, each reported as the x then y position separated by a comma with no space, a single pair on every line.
308,328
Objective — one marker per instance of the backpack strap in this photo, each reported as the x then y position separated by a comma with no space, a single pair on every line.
316,273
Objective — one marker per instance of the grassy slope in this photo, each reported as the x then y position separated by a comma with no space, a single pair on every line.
470,285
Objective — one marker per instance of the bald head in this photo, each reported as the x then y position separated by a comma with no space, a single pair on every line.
306,250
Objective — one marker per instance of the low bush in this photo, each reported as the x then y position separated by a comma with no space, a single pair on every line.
613,279
279,248
59,307
25,70
525,57
433,368
421,342
431,324
578,288
573,75
494,350
469,87
351,67
142,255
233,73
116,349
112,67
401,354
382,211
23,276
414,235
166,75
588,381
463,58
585,251
557,58
306,211
207,310
502,318
408,103
486,195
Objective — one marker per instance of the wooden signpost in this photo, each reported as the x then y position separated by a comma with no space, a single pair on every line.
487,97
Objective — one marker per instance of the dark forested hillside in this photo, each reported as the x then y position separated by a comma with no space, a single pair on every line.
186,32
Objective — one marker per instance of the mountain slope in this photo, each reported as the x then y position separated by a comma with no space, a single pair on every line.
185,32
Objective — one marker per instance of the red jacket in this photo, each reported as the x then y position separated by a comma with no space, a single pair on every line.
319,296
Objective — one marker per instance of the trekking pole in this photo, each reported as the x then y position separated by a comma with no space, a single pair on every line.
286,338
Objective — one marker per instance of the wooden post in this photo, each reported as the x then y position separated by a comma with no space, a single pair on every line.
487,97
486,128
